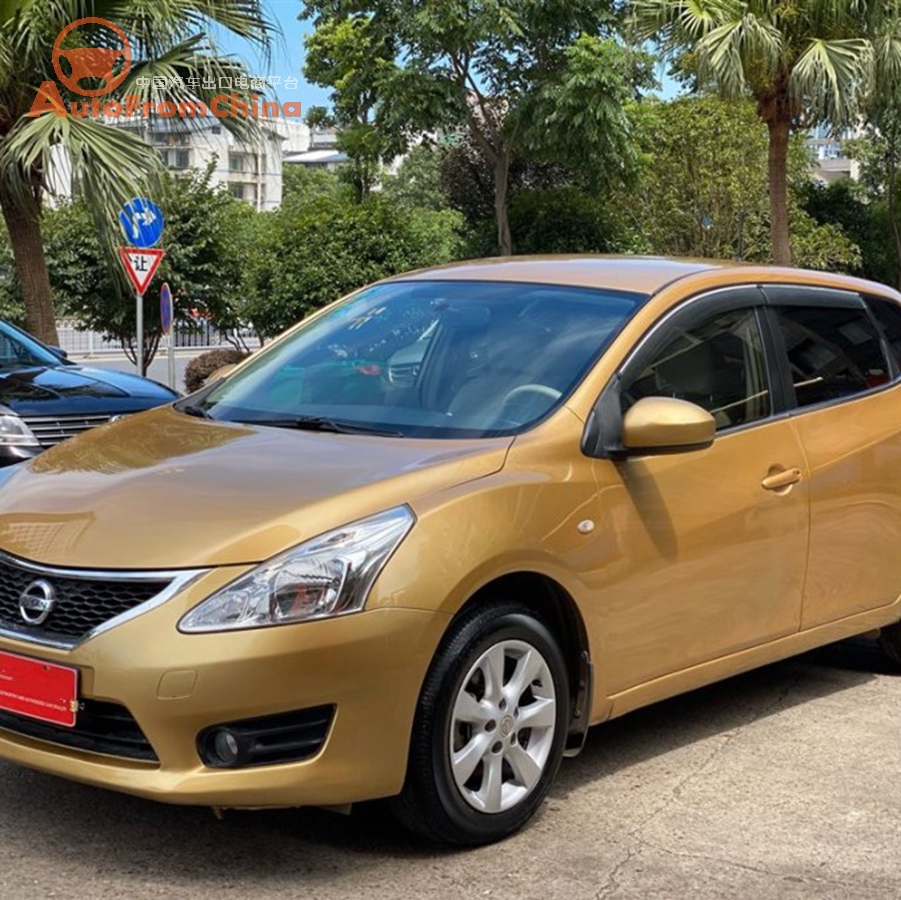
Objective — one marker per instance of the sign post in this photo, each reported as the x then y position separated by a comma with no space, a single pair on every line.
140,266
166,316
142,223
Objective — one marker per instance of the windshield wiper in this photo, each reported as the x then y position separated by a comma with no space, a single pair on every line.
321,423
190,409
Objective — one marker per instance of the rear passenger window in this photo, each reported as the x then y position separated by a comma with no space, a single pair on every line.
833,352
888,315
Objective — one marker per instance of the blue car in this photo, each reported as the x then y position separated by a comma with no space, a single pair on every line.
45,398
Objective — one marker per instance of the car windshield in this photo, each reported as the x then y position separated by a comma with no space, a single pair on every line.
427,359
18,349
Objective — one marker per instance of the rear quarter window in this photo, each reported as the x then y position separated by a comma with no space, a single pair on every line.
888,314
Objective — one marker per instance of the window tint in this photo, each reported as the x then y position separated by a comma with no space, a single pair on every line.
717,364
888,315
833,352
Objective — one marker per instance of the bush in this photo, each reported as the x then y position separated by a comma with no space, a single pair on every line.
316,252
203,366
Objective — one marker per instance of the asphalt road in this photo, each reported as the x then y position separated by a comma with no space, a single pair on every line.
783,783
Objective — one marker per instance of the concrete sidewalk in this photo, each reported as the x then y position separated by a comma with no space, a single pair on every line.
782,784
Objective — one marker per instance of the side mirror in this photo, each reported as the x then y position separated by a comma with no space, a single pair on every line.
667,425
220,373
58,351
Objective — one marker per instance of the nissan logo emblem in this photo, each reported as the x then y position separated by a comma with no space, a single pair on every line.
36,602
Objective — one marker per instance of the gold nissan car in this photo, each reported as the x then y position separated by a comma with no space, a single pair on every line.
417,545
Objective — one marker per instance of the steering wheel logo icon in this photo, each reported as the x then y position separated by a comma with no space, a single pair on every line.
92,62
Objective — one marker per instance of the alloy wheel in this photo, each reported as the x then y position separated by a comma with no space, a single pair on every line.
503,724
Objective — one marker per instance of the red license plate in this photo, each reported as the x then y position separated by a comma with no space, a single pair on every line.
39,690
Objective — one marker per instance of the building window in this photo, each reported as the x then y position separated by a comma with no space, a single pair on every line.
243,190
235,162
176,159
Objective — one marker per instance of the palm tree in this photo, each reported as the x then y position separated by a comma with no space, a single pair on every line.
805,62
108,164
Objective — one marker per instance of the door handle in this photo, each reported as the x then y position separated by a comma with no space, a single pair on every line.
780,480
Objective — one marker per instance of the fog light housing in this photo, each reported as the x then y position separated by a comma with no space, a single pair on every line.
266,741
222,748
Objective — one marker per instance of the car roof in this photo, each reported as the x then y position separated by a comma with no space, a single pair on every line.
640,274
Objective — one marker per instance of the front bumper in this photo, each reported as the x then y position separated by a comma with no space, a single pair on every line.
370,665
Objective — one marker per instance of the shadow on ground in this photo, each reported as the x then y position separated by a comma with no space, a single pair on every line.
123,836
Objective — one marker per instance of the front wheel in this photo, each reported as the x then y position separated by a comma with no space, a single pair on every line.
489,730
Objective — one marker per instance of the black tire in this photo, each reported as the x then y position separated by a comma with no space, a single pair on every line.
431,803
890,641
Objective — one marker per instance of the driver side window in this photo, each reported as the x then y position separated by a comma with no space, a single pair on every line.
717,364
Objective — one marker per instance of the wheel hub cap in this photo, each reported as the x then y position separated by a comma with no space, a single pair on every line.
503,725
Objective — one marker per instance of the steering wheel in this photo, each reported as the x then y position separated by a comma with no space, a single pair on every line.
524,390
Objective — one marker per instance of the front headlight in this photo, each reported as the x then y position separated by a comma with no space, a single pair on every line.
329,575
15,433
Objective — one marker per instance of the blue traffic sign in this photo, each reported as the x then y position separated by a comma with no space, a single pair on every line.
165,308
142,222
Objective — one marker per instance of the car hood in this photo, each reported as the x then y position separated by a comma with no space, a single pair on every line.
70,390
164,490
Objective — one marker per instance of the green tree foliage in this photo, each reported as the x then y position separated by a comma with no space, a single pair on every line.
206,240
167,39
528,76
466,182
418,180
701,188
314,252
560,220
300,184
878,151
804,62
354,59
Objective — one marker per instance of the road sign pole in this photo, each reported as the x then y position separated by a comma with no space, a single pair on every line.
172,359
139,353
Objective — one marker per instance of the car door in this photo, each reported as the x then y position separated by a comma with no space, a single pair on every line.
704,552
848,416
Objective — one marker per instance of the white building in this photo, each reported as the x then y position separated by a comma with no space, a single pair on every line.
321,152
830,162
249,171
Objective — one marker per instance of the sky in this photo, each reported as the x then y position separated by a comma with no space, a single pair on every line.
287,56
287,53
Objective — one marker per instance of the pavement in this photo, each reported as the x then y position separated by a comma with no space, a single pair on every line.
781,783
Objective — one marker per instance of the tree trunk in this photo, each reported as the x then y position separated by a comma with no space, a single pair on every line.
779,128
501,182
24,226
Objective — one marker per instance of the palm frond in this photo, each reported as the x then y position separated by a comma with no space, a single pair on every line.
829,78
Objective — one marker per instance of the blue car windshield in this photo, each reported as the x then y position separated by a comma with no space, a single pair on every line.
18,349
442,359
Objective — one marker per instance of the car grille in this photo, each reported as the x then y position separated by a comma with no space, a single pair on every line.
99,728
49,430
82,604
